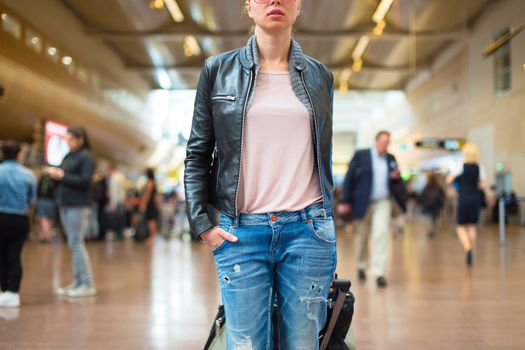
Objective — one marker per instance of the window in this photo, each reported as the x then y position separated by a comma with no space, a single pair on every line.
33,40
502,65
52,52
11,25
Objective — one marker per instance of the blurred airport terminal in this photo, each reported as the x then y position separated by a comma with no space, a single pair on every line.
440,76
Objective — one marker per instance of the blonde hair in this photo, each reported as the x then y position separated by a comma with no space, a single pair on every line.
471,153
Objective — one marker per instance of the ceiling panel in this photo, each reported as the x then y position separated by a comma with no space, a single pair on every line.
152,52
328,30
341,14
403,53
224,15
433,15
118,14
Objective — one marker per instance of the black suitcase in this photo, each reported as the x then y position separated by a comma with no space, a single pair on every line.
333,336
142,230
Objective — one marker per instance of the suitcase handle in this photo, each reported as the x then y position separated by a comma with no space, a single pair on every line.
342,285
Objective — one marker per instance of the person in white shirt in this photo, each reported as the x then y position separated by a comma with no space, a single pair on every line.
117,199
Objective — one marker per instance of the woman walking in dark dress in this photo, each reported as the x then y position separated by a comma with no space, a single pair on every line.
148,205
470,184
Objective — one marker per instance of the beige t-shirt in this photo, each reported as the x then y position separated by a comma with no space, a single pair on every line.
278,171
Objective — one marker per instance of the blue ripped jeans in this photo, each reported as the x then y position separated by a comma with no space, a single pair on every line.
289,257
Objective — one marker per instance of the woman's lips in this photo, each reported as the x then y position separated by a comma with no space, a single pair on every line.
275,13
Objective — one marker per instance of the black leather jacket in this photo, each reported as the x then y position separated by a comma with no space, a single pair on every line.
224,92
75,188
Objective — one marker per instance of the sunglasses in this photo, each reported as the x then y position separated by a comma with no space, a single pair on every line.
267,1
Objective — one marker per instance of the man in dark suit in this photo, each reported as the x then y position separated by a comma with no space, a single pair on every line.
372,179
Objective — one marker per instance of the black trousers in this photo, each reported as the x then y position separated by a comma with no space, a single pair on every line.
102,218
13,234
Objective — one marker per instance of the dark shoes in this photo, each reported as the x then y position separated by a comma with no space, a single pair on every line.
470,258
381,282
361,274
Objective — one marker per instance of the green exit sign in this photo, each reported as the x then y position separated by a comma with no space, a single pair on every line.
405,147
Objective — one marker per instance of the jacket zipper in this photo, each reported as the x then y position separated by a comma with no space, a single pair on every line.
316,141
218,159
242,139
226,98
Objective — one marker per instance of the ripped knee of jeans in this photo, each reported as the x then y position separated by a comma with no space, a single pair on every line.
312,300
314,297
244,344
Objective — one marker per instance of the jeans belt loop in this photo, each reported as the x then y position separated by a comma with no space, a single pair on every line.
237,219
304,215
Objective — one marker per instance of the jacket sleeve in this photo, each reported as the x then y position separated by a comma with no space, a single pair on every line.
199,157
348,185
82,180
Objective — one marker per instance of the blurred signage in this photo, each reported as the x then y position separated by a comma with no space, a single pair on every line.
55,146
405,147
451,145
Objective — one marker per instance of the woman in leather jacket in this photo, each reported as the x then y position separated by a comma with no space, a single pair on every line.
260,153
74,199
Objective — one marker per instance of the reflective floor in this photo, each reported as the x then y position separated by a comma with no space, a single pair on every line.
165,296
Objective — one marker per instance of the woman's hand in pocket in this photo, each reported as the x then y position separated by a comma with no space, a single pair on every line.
216,236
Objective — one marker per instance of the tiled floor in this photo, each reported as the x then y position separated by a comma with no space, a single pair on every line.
165,297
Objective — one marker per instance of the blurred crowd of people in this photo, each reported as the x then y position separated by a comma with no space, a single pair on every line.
78,201
379,204
82,202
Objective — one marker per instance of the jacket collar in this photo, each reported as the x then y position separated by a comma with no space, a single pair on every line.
250,55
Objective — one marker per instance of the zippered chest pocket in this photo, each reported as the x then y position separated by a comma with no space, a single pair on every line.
224,106
226,98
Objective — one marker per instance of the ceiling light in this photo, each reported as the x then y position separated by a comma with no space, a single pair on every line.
4,16
382,10
345,74
343,87
361,46
191,46
379,28
156,4
52,51
358,64
174,10
67,60
344,77
163,79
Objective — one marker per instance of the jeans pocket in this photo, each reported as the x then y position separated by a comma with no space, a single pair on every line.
225,242
323,229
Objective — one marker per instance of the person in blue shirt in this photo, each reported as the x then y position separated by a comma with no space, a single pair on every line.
17,194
